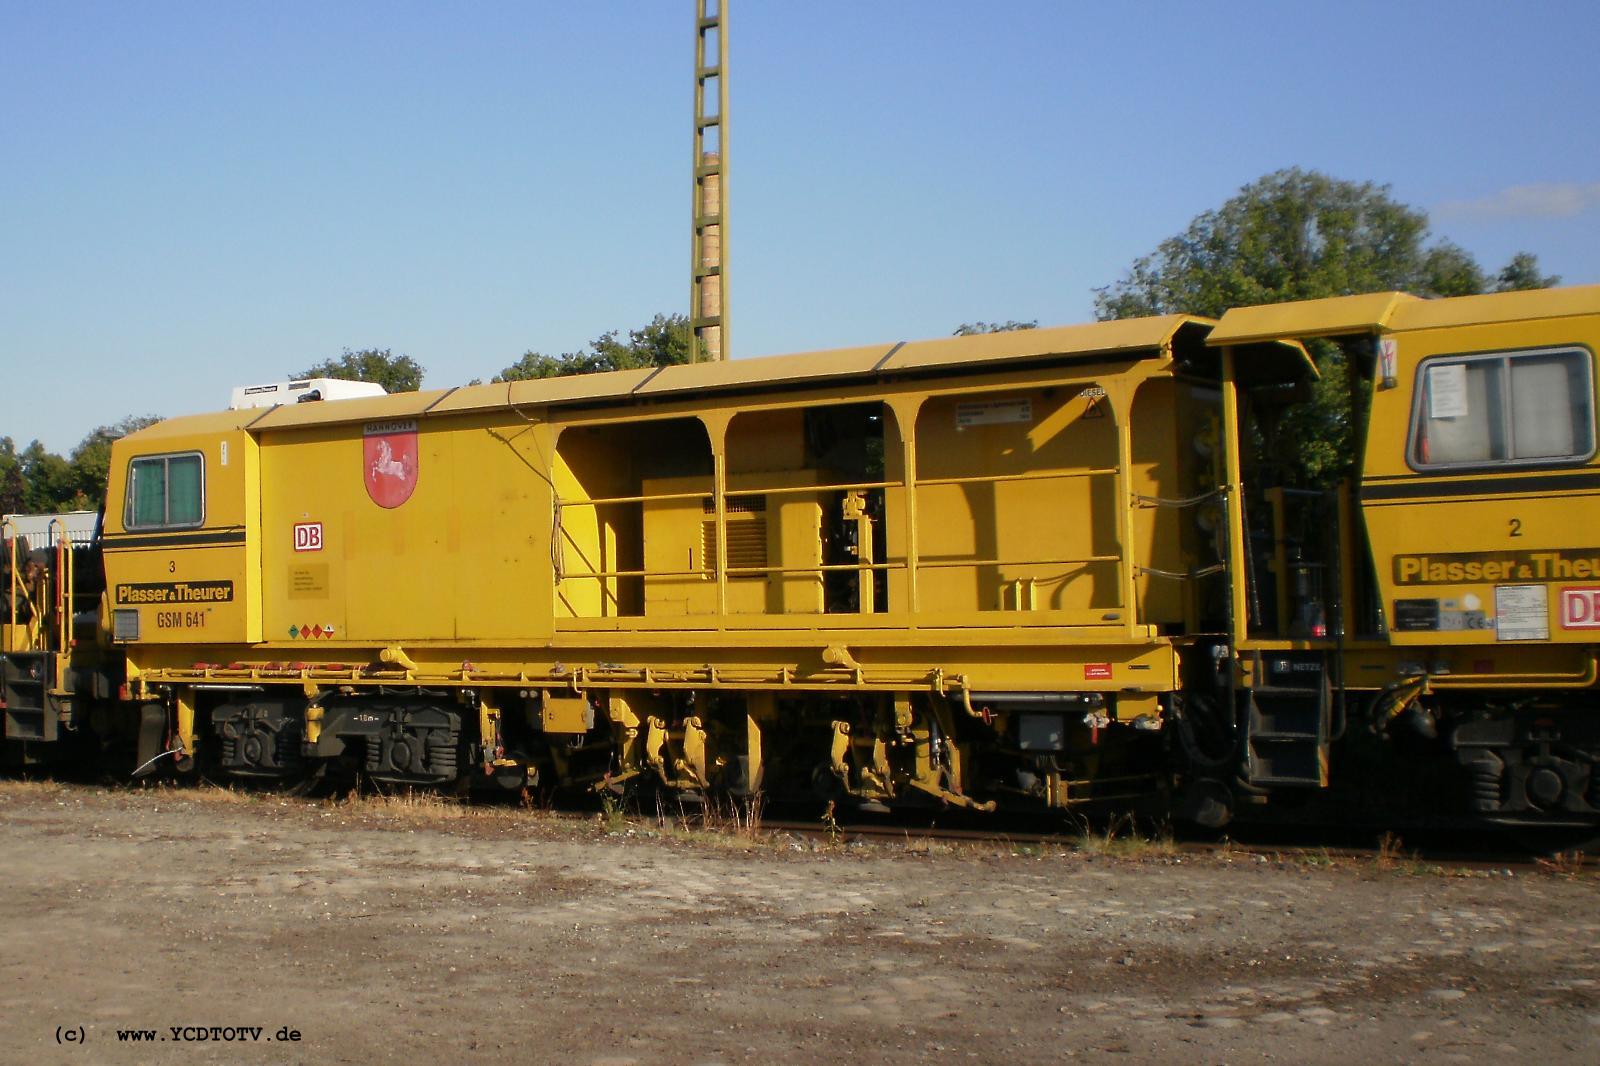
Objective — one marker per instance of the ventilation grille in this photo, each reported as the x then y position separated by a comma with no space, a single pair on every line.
747,535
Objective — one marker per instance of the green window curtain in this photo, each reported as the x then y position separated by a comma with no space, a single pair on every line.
149,492
166,491
184,504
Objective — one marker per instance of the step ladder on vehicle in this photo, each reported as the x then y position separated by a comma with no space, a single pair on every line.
37,606
1288,720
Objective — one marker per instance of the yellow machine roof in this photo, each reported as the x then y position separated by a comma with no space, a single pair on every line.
1497,307
1397,312
1137,337
1307,318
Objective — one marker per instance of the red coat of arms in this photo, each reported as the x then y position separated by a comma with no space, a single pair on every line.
389,461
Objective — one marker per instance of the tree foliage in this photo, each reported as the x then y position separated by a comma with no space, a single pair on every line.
37,481
664,341
396,373
1523,273
91,459
1302,235
972,329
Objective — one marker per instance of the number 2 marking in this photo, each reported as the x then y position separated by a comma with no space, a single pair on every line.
1516,527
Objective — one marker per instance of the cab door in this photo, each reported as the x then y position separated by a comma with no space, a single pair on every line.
181,562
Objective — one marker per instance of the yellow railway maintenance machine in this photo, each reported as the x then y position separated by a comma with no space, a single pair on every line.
1051,569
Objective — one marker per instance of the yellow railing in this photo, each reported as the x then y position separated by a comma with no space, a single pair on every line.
1022,590
49,624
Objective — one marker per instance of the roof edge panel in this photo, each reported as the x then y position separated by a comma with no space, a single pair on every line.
1330,317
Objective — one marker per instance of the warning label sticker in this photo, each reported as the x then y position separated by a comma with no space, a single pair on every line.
1447,391
992,412
308,582
1522,612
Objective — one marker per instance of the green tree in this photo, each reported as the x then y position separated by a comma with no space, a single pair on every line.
13,486
13,490
1523,273
1448,270
1301,235
396,373
38,481
664,341
1292,235
90,461
534,365
972,329
51,485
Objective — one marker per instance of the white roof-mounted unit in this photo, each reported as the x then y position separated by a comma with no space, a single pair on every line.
279,392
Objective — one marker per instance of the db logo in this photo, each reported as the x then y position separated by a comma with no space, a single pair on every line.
308,536
1580,608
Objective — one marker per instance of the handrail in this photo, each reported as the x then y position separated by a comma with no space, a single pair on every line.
1084,561
601,501
65,584
737,571
750,571
589,574
758,490
1141,500
1027,475
794,490
1180,575
11,591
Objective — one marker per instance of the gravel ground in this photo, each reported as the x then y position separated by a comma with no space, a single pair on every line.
421,932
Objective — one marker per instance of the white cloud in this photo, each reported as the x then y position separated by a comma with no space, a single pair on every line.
1544,200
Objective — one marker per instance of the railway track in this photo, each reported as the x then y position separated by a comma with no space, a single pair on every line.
1314,847
1311,845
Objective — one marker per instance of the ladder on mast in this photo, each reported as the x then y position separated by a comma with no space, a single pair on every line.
708,299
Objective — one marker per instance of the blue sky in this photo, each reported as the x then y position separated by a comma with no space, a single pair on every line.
200,195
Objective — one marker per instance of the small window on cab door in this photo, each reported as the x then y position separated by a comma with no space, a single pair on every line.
166,492
1533,408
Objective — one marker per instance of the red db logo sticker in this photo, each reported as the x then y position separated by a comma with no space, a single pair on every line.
1580,608
308,536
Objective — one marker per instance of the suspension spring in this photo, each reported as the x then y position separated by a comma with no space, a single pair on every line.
1485,784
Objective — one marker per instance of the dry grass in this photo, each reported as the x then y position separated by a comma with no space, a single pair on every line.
929,846
25,787
1564,864
409,805
1122,839
721,821
1392,856
1391,852
210,792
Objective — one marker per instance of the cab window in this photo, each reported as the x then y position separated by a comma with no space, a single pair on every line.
165,491
1503,409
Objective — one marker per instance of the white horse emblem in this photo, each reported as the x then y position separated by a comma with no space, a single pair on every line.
386,464
389,456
